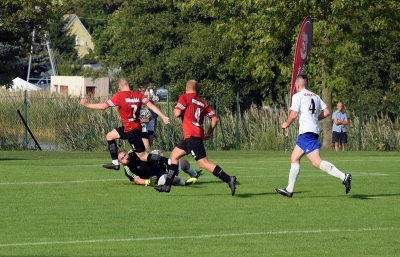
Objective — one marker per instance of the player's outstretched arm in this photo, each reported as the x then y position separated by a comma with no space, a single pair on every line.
99,106
157,111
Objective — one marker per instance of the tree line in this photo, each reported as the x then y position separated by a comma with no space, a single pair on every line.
231,46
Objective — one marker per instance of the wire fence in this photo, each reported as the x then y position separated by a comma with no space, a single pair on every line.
58,122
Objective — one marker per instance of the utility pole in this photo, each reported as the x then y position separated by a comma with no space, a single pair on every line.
52,62
50,52
30,56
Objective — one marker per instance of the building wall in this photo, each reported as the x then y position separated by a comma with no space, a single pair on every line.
101,85
78,85
83,40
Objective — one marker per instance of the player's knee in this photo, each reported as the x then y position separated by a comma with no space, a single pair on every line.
316,163
184,164
204,163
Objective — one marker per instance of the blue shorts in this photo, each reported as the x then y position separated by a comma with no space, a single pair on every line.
308,142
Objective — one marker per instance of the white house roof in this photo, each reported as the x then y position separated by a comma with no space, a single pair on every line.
20,84
73,17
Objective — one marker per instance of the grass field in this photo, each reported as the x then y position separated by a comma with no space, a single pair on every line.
66,204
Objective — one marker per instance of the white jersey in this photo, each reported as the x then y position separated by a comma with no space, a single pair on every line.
308,105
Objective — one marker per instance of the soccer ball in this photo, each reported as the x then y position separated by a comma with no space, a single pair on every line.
162,179
145,114
158,152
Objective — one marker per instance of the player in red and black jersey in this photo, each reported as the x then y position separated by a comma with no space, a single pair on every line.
192,110
129,103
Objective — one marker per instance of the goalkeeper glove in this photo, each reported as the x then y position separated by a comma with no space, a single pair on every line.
151,181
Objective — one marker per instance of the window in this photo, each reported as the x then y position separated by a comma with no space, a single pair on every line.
90,91
64,90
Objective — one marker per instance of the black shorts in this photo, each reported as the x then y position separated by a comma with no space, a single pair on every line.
339,137
146,170
193,146
134,138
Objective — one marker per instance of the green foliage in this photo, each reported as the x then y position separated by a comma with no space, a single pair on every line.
61,42
18,19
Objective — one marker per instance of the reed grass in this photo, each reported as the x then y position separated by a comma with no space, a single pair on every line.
62,123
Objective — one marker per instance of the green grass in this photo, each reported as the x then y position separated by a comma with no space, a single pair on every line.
66,204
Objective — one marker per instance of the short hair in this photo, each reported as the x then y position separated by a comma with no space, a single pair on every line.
123,82
192,85
302,80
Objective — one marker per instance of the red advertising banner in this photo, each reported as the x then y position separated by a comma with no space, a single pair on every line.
303,47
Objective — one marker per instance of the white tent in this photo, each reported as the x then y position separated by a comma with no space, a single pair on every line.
20,84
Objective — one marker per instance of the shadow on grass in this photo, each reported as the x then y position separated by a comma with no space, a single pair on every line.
13,159
371,197
248,195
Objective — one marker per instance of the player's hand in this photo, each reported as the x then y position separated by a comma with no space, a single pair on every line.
166,120
207,136
84,102
285,125
153,180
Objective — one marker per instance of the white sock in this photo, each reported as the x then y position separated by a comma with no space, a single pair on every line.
115,162
332,170
294,172
191,171
181,182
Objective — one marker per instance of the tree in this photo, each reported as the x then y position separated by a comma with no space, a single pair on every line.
18,18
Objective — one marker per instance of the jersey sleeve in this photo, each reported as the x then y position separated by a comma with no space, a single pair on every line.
129,174
295,103
144,99
114,100
181,105
323,104
210,112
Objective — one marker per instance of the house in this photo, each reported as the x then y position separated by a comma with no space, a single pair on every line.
83,39
80,86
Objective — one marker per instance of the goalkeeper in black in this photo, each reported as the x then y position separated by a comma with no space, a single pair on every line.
146,173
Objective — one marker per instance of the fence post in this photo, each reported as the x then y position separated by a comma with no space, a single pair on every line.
237,121
168,127
26,120
359,126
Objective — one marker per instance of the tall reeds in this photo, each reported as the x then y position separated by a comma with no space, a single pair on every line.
61,122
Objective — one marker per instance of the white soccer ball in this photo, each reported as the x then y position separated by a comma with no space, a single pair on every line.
158,152
161,180
145,113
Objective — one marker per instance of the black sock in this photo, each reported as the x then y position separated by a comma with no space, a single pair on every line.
173,170
219,173
155,158
113,148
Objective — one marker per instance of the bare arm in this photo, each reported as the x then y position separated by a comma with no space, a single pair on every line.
100,106
158,112
325,113
139,181
213,124
177,112
291,117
